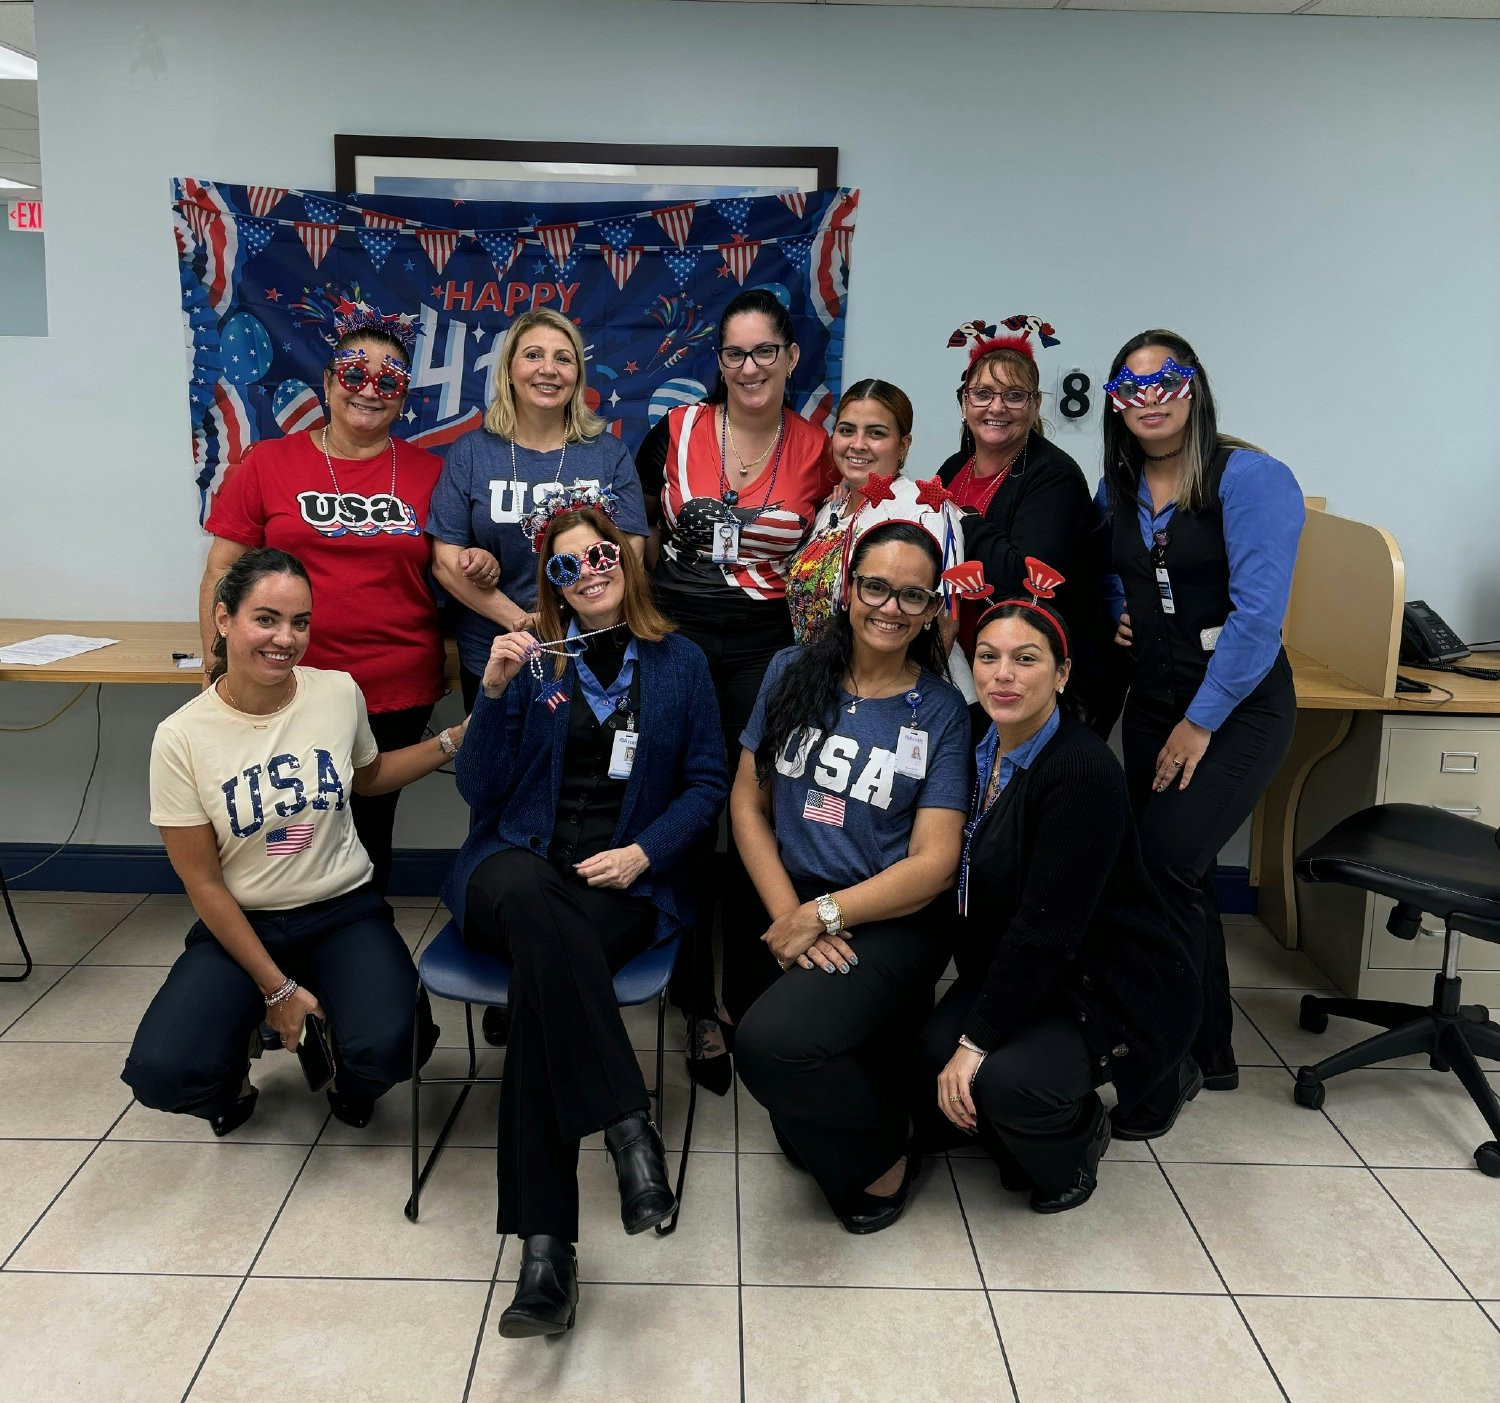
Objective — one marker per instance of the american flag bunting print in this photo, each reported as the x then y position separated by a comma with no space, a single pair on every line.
438,245
285,842
819,807
317,239
676,222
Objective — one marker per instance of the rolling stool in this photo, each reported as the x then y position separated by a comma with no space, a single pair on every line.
1425,860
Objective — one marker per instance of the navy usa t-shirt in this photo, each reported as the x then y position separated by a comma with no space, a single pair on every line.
841,811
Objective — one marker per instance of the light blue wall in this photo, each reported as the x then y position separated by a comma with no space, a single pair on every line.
23,283
1314,202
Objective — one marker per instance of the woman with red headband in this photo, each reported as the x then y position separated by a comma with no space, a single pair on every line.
1023,496
1069,973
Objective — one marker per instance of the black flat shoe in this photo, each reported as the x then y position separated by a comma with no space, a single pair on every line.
1146,1122
1220,1071
872,1212
1085,1177
350,1111
709,1062
646,1196
495,1025
236,1115
546,1298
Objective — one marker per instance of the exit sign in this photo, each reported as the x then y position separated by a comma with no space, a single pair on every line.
26,216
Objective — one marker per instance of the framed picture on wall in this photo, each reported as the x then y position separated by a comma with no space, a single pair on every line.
467,169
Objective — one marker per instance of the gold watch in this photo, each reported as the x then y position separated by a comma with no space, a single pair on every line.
830,913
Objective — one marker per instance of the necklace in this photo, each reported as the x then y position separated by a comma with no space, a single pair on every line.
338,491
854,692
759,458
558,648
261,725
981,498
727,494
561,459
1163,457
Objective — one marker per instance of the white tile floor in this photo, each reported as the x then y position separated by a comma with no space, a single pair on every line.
1261,1251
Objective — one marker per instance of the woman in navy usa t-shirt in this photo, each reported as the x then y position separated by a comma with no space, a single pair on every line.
848,808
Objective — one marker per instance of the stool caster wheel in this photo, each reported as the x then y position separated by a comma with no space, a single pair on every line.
1310,1016
1487,1157
1308,1090
1438,1064
410,1211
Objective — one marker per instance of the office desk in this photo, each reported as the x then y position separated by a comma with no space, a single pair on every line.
143,653
1326,706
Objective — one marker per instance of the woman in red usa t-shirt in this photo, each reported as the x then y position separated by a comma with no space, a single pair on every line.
350,501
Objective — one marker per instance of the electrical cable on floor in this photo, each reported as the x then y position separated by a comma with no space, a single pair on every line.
87,784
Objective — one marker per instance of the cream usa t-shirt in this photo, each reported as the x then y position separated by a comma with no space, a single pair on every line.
275,788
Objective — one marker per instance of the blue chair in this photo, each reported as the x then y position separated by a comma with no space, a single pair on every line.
451,969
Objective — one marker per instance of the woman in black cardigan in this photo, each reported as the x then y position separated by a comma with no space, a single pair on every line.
1069,974
1022,496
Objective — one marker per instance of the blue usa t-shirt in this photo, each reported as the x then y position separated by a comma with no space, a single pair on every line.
479,501
841,811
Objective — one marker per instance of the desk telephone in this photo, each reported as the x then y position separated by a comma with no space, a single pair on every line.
1426,639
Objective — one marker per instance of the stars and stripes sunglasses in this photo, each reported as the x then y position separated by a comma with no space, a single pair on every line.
1128,390
352,371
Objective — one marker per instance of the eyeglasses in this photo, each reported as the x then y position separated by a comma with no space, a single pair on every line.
981,395
733,357
390,381
566,568
874,591
1172,381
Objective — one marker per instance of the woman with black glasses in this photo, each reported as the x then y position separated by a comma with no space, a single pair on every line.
732,486
1023,496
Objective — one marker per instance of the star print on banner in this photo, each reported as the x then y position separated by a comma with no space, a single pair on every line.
255,234
799,251
631,367
321,211
317,239
736,214
503,250
932,493
739,255
272,295
409,266
616,232
477,332
378,243
681,264
878,489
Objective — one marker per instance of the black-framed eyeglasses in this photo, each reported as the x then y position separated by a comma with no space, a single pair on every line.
981,396
874,591
733,357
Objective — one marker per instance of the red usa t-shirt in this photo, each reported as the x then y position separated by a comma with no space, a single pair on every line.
365,552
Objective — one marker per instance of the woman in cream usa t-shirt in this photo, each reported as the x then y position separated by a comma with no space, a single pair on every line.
250,787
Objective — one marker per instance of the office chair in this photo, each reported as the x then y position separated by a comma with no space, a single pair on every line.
451,969
1425,860
15,926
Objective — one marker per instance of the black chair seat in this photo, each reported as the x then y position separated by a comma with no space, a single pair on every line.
1438,862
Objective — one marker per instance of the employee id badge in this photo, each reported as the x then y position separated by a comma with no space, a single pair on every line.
622,754
725,548
911,753
1164,589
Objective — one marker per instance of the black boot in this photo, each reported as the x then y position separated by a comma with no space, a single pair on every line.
1158,1112
1081,1188
646,1196
546,1298
1220,1071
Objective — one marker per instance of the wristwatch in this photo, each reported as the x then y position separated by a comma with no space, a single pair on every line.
830,913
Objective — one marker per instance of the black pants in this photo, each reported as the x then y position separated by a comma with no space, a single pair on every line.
1183,830
569,1068
1034,1094
830,1056
468,684
190,1052
375,814
737,663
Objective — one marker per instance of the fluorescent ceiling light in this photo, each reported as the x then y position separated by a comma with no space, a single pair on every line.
14,64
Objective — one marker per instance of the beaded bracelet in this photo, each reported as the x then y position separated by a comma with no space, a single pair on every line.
287,989
445,743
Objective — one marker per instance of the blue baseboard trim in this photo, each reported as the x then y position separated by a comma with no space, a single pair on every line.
414,872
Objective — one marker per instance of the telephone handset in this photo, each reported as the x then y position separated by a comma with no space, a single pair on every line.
1426,639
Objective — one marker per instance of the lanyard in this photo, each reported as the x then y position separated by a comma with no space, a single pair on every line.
727,494
985,794
605,701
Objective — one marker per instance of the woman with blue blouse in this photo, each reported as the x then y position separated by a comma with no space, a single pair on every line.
1204,531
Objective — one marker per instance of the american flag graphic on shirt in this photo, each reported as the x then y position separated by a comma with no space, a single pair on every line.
819,807
294,838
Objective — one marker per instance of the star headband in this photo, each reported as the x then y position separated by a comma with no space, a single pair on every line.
579,497
354,317
1041,583
1128,390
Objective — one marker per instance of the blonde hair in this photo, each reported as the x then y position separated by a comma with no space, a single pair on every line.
500,417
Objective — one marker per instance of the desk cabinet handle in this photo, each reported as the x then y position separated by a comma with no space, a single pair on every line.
1459,762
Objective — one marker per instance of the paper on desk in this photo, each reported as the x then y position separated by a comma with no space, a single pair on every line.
51,648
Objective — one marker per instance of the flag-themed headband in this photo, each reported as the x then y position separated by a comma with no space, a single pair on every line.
1022,327
1041,583
350,318
579,497
1128,390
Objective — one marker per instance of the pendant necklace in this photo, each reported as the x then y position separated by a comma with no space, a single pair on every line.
558,648
327,458
258,724
727,494
759,457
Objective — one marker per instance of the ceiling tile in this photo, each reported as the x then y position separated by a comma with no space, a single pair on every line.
19,93
1214,7
1411,9
958,4
20,145
18,28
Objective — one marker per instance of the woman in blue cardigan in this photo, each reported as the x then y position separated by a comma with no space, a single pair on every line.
593,762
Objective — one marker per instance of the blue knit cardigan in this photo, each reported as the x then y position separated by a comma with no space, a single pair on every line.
510,773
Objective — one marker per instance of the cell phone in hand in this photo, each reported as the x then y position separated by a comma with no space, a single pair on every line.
315,1053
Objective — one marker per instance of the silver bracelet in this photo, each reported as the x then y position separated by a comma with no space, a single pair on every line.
966,1042
445,742
287,989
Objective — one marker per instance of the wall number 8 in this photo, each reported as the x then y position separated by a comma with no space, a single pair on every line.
1074,402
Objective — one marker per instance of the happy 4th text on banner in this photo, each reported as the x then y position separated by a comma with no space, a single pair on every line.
265,270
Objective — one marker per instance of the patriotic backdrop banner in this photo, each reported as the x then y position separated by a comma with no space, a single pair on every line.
265,270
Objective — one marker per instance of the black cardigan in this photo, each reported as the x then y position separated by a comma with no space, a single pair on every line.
1062,916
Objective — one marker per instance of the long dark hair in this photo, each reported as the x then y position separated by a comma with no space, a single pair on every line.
242,577
754,299
807,695
1123,454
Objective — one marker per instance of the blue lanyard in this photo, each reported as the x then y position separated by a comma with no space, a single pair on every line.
605,701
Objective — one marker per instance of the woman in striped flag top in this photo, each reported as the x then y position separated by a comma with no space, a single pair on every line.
250,786
849,808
